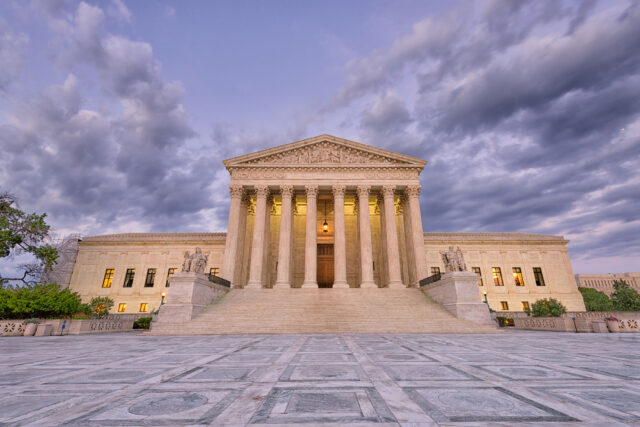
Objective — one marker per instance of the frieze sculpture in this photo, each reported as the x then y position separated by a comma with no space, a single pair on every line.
194,263
453,260
324,153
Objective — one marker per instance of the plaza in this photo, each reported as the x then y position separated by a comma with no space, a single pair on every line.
514,378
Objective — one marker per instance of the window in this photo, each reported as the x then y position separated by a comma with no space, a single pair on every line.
477,271
525,305
122,307
497,276
213,271
108,278
128,278
169,274
537,273
435,271
517,276
151,278
143,306
504,305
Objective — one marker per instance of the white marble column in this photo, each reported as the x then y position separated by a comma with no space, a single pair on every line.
366,251
311,245
234,231
393,253
257,245
284,247
339,246
417,235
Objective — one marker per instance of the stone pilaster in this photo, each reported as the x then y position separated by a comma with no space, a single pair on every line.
284,246
340,251
393,253
257,246
311,245
234,231
366,250
417,235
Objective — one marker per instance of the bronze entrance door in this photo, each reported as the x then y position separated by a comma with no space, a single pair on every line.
325,265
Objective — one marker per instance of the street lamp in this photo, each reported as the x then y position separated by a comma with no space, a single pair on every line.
164,295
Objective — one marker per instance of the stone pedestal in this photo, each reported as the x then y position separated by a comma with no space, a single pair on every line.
458,292
189,294
43,330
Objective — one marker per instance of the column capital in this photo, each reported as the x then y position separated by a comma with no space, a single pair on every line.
388,190
311,190
339,190
363,190
413,190
236,191
262,191
286,190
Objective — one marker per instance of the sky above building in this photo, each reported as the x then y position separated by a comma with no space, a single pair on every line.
115,116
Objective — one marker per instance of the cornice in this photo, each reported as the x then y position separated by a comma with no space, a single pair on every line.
155,237
492,237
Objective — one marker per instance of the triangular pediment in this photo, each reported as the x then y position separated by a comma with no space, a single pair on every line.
324,150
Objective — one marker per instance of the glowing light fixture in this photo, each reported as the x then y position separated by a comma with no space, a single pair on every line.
325,226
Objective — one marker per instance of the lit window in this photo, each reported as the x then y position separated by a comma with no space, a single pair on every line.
497,276
504,305
151,278
537,273
214,271
517,276
435,271
128,278
108,278
143,306
169,274
477,271
122,307
525,305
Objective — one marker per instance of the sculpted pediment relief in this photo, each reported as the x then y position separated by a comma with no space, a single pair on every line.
325,150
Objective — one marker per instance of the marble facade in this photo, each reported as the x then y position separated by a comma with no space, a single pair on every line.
281,199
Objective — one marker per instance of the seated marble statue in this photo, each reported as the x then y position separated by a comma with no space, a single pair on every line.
195,262
453,260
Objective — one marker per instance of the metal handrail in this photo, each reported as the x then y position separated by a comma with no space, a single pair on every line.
219,281
430,279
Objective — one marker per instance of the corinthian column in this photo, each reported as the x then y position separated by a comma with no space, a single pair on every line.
417,235
340,249
284,246
366,251
393,253
311,246
257,246
233,233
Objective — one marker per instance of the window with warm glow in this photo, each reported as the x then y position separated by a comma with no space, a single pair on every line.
213,271
143,306
525,305
435,271
537,273
122,307
108,278
169,274
504,305
477,271
497,276
128,278
151,278
517,276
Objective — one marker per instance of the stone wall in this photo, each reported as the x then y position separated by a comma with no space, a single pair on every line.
628,321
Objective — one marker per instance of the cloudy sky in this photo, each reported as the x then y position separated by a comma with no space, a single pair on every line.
115,115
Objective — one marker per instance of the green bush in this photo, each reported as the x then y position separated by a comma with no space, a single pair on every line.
505,321
100,305
37,300
596,300
547,308
142,323
624,298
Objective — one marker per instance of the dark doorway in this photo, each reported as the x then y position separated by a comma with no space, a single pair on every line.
325,265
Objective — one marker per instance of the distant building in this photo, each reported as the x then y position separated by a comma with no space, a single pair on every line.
604,282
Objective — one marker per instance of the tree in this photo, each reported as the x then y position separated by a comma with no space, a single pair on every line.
547,308
596,300
38,300
24,233
624,298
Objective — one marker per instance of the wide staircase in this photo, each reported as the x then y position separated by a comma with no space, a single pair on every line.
273,311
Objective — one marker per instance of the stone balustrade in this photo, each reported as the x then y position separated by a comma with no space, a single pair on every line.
110,323
581,321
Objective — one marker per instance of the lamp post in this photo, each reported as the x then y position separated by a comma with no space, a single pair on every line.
164,295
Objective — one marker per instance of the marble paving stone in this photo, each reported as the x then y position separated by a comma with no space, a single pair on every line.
109,375
628,372
247,358
488,404
215,374
483,357
323,373
22,376
556,357
530,372
619,403
426,372
322,357
339,405
401,357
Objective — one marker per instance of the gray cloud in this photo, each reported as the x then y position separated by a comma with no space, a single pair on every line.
13,47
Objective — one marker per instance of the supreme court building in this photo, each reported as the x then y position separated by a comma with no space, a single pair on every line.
325,212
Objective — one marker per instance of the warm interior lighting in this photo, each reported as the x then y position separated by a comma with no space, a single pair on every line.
325,226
